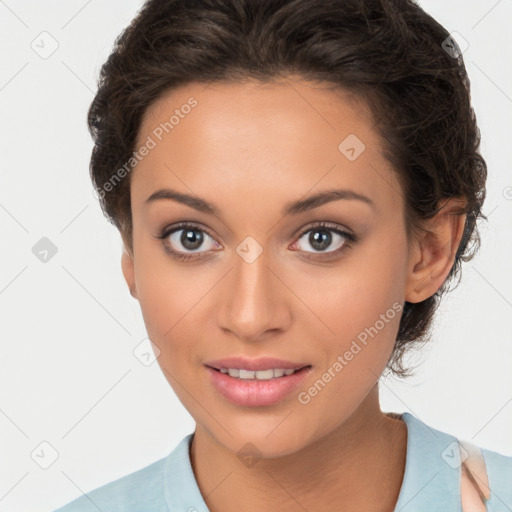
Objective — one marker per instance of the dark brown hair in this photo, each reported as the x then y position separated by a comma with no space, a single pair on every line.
389,53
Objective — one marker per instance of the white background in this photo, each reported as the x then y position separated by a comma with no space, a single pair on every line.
68,375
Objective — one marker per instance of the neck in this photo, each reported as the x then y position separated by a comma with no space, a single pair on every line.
359,465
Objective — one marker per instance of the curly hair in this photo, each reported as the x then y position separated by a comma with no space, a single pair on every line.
389,53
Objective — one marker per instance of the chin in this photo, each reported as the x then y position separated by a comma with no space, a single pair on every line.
268,439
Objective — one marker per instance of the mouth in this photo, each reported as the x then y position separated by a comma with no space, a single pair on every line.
262,364
257,388
267,374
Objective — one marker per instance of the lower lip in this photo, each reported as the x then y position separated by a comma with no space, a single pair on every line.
256,393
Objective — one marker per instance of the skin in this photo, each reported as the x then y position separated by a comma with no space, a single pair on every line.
250,149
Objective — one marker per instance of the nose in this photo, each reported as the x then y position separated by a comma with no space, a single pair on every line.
254,302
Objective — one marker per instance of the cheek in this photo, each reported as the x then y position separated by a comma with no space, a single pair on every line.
165,293
168,307
362,303
367,285
365,320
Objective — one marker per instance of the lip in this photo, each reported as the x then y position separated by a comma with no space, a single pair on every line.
262,363
253,392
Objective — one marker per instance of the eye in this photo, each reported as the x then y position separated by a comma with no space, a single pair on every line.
183,241
322,236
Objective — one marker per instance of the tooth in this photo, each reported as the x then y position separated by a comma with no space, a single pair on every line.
257,374
265,374
245,374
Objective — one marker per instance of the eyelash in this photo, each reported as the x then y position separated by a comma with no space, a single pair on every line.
350,239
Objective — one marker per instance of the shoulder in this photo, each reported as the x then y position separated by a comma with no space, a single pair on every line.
125,493
435,454
499,471
143,489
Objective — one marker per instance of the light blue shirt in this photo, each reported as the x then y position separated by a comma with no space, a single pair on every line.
431,481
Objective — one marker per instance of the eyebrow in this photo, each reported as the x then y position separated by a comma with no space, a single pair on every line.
292,208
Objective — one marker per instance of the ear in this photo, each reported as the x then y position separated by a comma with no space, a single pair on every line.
127,266
433,253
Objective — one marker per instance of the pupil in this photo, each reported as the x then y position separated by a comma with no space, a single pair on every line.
192,239
323,240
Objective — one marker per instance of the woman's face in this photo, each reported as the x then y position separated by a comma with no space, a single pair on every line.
262,278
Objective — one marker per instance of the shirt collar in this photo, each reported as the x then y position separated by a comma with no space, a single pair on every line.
431,481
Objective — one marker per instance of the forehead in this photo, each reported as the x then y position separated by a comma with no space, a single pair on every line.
269,139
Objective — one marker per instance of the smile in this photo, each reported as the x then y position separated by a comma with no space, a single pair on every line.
271,373
256,388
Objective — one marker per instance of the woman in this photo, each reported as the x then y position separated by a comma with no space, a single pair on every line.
295,183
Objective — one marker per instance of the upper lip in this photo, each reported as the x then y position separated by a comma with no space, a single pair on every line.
262,363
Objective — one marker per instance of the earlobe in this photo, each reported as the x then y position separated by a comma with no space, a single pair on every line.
433,254
127,267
